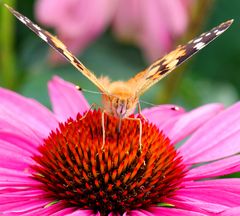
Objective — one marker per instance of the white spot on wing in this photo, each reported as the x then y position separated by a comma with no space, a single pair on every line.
37,27
27,20
208,34
199,45
220,32
197,40
44,37
22,19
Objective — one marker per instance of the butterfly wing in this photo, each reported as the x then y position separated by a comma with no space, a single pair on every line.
159,69
55,43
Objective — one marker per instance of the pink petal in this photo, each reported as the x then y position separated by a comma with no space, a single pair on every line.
43,210
215,169
22,193
182,200
228,184
139,212
209,195
9,123
74,212
12,176
19,142
161,114
67,101
216,139
14,157
173,212
29,111
23,206
82,213
191,204
231,212
187,123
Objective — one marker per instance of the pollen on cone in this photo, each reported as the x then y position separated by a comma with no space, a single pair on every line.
74,167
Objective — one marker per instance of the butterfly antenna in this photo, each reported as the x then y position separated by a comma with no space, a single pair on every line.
94,92
148,103
88,91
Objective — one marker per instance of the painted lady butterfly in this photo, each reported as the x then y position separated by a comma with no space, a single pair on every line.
121,98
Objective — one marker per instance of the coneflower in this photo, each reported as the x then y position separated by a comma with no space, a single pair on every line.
55,163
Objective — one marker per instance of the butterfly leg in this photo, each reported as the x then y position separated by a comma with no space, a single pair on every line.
103,120
103,131
140,112
86,113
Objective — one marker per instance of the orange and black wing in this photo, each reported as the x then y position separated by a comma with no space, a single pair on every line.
159,69
55,43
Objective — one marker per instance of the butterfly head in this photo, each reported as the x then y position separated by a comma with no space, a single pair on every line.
120,102
123,107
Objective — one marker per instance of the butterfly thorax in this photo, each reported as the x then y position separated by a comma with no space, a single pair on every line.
120,100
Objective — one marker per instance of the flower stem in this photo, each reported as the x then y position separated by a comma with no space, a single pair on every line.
7,54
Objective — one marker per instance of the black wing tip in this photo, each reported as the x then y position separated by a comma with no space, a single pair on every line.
227,24
8,7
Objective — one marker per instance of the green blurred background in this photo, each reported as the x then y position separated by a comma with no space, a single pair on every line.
210,76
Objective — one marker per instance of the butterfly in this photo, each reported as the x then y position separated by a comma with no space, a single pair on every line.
120,98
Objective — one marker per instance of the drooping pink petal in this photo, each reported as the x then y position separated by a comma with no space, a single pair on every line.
17,126
184,125
209,195
231,212
66,100
173,212
19,142
12,176
29,111
219,168
161,114
21,193
45,209
23,206
228,184
216,139
182,202
14,157
139,212
74,212
113,214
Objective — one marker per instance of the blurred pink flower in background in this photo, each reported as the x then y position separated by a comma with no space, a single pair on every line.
153,25
76,22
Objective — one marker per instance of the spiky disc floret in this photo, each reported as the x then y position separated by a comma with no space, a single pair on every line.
75,169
